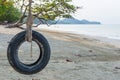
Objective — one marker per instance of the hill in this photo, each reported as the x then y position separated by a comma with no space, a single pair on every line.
69,21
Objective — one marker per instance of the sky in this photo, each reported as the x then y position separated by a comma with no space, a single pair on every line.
105,11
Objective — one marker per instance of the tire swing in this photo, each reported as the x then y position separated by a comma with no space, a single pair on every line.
28,36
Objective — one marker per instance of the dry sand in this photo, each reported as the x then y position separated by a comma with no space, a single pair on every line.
73,57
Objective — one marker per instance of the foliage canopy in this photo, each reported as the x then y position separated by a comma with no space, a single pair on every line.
43,9
48,9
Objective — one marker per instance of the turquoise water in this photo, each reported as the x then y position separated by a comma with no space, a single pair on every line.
107,30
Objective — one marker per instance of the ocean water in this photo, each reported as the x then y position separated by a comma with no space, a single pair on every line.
108,30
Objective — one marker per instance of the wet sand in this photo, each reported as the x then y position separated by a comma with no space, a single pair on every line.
73,57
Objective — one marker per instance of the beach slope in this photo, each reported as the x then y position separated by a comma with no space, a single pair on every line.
73,57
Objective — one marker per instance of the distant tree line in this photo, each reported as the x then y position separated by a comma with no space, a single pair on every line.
8,13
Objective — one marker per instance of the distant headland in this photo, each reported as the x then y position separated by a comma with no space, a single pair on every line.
71,20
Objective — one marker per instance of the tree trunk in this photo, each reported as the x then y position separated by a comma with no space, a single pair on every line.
29,23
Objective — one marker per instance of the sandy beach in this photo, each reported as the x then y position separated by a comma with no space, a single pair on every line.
73,57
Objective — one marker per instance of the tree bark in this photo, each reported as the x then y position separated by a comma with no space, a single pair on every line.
29,23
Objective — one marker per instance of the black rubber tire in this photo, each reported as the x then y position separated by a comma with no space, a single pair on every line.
13,58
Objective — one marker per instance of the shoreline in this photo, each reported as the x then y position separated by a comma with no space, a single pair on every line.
104,40
114,42
107,31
